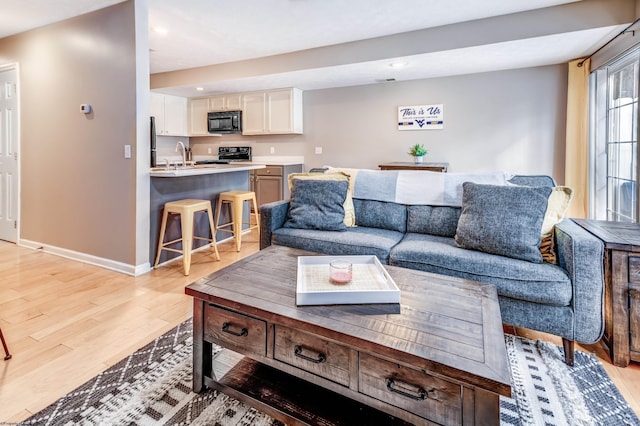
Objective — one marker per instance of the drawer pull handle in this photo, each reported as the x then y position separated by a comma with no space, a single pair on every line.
320,359
226,328
407,390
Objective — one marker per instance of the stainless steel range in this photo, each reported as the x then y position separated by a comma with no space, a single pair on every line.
227,154
234,153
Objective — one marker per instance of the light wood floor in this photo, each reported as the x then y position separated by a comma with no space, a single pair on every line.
66,321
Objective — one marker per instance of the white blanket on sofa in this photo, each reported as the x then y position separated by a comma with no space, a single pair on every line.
419,187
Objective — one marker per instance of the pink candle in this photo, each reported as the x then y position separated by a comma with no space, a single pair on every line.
340,277
340,272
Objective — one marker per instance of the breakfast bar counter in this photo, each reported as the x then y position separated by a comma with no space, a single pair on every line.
205,169
204,182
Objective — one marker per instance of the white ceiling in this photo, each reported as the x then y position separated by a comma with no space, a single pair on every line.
211,32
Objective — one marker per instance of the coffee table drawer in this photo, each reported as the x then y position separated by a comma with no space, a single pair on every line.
233,330
313,354
412,390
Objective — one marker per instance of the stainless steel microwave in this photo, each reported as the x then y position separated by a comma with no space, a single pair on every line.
224,122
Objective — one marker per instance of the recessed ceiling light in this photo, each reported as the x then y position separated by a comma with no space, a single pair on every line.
398,64
160,30
199,89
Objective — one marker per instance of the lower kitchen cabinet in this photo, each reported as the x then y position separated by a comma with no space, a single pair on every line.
271,183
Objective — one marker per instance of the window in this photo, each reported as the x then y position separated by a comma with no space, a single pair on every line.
614,140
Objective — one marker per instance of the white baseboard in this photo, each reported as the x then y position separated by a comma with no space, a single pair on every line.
112,265
87,258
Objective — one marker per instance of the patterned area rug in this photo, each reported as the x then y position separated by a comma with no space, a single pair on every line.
153,387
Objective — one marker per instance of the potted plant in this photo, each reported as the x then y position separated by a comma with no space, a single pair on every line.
417,151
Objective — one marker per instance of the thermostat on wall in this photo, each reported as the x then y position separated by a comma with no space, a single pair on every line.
85,108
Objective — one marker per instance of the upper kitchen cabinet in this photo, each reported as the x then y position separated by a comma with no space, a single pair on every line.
272,112
231,102
198,109
171,114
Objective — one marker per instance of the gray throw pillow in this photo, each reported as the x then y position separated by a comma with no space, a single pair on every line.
504,220
317,204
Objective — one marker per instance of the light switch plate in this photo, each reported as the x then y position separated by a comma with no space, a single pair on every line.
127,151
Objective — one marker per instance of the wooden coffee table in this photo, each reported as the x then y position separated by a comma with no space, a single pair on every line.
438,356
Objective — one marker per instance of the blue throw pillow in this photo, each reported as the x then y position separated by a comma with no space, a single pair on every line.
317,204
504,220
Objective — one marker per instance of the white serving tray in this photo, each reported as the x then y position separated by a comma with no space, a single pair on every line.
371,283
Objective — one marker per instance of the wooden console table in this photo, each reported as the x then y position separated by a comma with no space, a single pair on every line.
433,167
622,287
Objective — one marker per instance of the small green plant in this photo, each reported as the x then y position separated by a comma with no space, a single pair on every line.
417,150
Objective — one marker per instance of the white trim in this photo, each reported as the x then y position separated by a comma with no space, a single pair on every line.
87,258
112,265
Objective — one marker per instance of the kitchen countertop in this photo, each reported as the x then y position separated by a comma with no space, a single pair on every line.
204,169
272,160
258,162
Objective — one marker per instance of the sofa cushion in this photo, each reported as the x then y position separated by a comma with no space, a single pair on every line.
349,214
317,204
504,220
535,282
355,241
434,220
558,204
380,214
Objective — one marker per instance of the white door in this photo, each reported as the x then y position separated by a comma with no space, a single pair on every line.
9,177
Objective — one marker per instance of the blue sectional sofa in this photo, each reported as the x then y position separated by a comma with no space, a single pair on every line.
564,299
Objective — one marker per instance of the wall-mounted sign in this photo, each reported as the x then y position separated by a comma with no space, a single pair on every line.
420,117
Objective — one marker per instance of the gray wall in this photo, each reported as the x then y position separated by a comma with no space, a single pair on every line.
508,120
78,192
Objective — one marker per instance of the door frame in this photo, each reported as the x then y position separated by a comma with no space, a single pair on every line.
16,67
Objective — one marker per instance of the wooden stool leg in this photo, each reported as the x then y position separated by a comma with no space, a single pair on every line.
7,355
255,209
217,215
213,234
187,240
163,228
237,222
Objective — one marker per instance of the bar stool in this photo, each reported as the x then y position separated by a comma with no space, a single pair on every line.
7,355
235,200
187,210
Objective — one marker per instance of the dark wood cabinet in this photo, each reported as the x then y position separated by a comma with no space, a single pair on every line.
432,167
271,183
622,287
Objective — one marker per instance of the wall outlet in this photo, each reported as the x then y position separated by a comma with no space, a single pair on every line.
272,150
208,150
318,150
127,151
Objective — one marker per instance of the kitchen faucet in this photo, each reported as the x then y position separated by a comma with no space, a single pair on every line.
183,152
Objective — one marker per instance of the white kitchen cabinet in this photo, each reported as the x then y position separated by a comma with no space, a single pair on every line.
230,102
272,112
198,109
170,113
253,113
